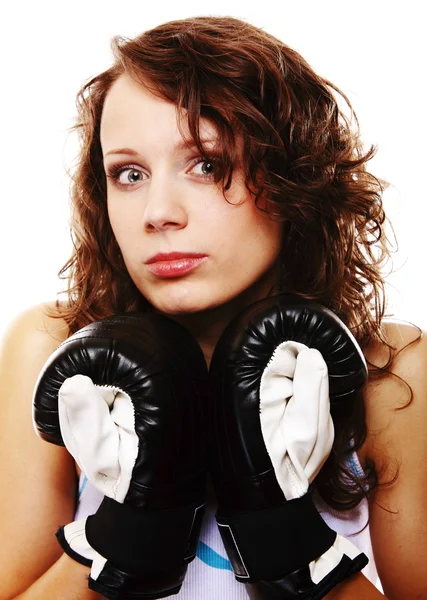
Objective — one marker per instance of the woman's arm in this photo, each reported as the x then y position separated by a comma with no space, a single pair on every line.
38,479
356,587
397,443
65,580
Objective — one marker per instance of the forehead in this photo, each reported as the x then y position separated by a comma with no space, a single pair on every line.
131,110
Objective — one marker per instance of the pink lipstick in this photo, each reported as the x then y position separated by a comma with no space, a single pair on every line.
174,264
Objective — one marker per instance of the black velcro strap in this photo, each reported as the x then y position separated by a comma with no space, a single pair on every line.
268,544
299,585
115,584
140,540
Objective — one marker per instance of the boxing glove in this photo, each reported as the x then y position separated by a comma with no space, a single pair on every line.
273,374
125,395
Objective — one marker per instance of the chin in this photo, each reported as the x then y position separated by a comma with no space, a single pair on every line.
182,307
185,298
181,298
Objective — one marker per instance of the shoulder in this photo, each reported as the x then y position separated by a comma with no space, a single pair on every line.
396,402
28,342
398,334
35,333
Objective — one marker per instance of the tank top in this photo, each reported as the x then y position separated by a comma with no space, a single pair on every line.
210,576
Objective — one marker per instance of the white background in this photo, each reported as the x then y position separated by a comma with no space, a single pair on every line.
374,51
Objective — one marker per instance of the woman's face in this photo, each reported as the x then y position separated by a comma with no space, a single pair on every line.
162,199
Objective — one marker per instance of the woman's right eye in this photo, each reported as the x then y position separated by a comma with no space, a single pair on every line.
125,175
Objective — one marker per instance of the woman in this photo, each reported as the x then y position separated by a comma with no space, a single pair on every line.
216,169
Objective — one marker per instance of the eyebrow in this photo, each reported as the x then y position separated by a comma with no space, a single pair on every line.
184,145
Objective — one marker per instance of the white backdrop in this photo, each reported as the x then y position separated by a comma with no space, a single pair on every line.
374,50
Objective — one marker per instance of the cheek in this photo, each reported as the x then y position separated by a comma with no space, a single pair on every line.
261,236
123,226
113,217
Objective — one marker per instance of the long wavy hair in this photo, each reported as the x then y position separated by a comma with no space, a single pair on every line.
301,150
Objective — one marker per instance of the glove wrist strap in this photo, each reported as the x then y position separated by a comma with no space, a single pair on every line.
144,541
115,584
299,585
279,540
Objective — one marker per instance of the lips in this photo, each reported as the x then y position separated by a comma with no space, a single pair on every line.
169,256
174,264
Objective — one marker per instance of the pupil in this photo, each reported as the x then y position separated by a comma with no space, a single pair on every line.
207,168
133,176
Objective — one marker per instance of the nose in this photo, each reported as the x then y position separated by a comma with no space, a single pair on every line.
164,206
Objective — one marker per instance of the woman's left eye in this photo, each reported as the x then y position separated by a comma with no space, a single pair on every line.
205,166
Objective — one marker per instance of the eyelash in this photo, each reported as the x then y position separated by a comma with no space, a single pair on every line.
115,171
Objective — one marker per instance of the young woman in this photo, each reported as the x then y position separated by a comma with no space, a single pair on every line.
213,151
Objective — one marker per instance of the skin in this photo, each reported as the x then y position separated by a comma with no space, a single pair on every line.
170,208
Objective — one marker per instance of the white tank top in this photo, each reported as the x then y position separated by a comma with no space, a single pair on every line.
210,576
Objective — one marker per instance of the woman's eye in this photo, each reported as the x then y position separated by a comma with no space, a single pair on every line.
205,168
125,176
129,176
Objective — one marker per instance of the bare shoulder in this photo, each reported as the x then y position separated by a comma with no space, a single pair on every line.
27,344
396,403
41,324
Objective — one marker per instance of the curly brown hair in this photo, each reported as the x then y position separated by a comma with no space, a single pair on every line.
301,150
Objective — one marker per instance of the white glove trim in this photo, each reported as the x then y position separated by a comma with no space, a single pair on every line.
75,535
295,415
98,428
323,565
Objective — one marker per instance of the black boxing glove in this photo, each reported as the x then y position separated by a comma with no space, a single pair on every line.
272,432
126,397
